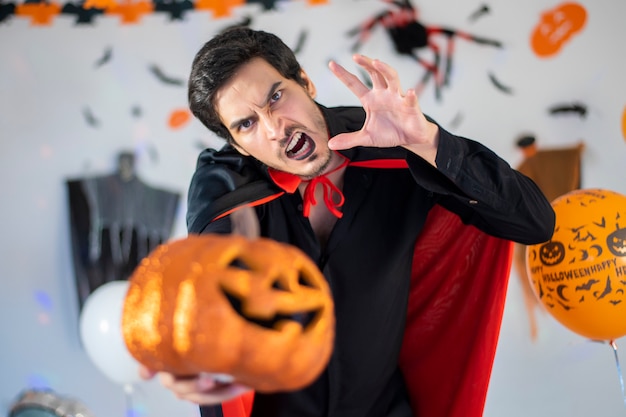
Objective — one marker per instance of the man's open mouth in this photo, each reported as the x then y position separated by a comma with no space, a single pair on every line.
300,146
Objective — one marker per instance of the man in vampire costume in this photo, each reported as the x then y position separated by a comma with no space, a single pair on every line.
411,226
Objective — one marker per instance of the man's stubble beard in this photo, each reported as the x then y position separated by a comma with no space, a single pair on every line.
325,163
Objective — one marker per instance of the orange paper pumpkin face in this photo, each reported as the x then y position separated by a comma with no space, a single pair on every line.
579,275
556,27
258,310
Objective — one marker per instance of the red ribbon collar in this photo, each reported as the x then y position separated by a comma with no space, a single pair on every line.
290,182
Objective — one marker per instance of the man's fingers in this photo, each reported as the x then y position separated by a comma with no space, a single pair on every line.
378,80
216,396
202,388
390,75
350,80
383,75
145,373
345,141
246,223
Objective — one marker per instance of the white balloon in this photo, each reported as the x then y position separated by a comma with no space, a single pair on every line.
101,333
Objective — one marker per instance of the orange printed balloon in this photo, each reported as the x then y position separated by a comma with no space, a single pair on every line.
579,275
257,310
556,28
624,123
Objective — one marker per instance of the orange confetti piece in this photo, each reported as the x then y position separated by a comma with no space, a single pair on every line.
179,118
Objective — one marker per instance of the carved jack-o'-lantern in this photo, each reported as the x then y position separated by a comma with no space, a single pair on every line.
616,242
579,275
552,253
258,310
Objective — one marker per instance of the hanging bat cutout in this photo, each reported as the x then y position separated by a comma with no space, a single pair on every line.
106,57
300,42
83,15
456,121
267,4
175,9
6,11
409,36
154,69
483,10
499,85
90,118
200,145
575,108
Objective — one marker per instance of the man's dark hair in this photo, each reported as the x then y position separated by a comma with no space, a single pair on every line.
219,59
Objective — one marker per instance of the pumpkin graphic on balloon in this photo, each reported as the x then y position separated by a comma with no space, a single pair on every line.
257,310
579,275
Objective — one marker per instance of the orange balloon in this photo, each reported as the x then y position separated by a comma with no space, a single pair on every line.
624,123
556,27
579,275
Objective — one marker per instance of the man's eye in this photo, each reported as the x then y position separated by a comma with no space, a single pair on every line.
245,124
276,96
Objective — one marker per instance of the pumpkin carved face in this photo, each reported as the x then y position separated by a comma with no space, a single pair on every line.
552,253
616,242
258,310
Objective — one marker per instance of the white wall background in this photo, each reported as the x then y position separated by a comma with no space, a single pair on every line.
48,78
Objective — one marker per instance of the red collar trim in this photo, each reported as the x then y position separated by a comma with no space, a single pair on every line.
286,181
333,197
290,182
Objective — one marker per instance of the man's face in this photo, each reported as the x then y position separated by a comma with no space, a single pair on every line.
274,119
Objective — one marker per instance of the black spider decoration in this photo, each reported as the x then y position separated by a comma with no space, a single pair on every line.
409,35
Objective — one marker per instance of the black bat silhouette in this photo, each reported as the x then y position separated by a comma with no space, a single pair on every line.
175,9
602,224
267,4
577,108
6,10
90,118
300,42
587,285
607,289
106,57
164,78
499,85
83,16
483,10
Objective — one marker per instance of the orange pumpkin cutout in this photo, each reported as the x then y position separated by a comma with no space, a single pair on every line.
580,274
556,27
258,310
